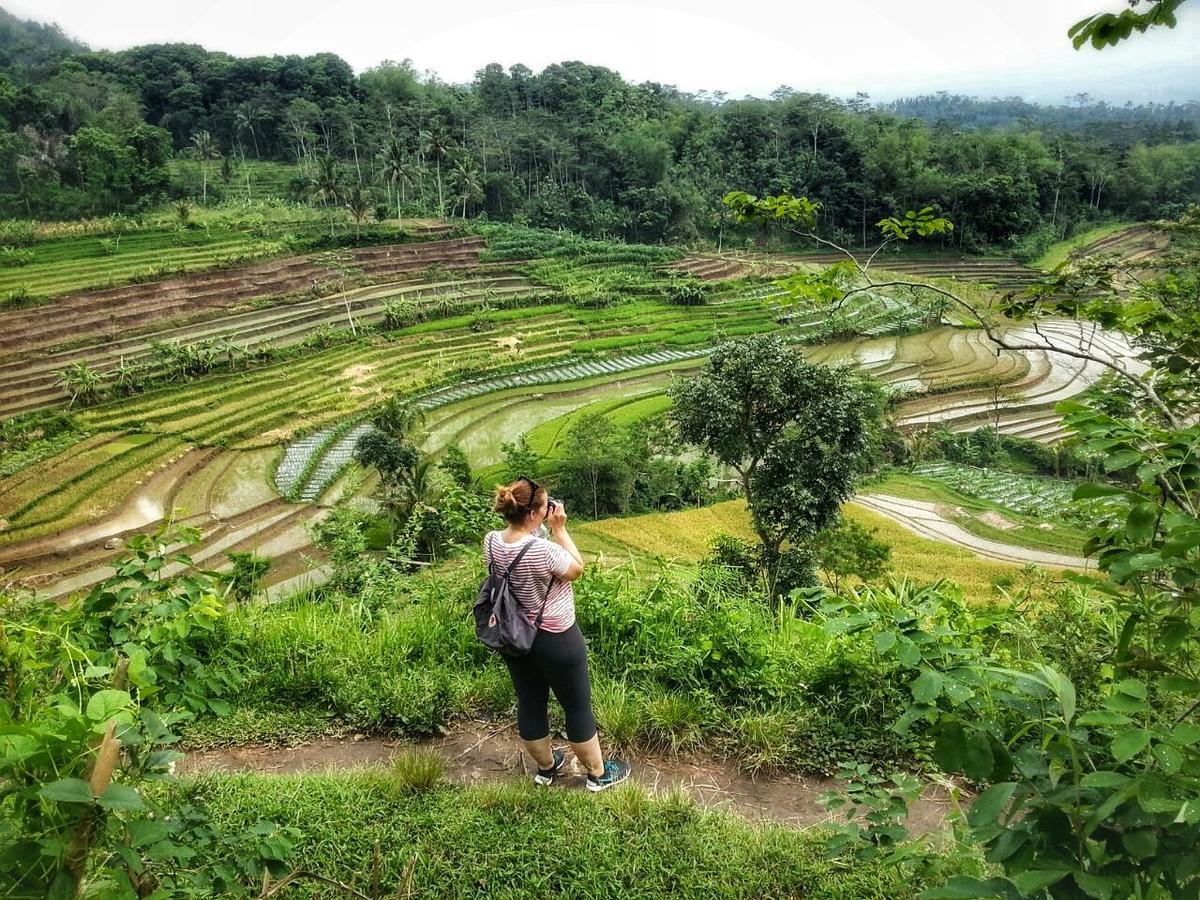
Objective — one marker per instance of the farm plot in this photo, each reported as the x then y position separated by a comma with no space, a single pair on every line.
34,384
104,314
1027,494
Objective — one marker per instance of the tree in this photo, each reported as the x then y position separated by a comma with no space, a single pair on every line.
359,205
1109,29
435,142
850,550
798,434
205,149
325,184
595,468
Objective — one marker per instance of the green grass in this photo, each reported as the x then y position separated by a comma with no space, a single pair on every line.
513,841
217,237
1057,254
253,179
1061,538
547,438
685,536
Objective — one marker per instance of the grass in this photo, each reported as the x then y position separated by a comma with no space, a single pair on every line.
511,841
685,536
1060,538
1056,254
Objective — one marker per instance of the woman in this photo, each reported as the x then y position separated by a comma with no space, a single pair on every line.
558,659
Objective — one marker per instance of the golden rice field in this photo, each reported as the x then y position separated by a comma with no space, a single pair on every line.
685,536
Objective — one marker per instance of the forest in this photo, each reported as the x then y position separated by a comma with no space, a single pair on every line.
575,146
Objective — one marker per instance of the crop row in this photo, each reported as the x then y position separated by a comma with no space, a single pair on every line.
539,376
1027,494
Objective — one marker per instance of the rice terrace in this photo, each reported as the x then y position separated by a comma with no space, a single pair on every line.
874,422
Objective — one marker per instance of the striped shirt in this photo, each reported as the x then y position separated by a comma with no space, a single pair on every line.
532,575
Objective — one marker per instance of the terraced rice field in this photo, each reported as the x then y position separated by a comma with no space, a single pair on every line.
253,179
106,313
998,272
1139,242
213,446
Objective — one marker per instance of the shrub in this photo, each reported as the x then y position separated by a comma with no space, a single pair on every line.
415,771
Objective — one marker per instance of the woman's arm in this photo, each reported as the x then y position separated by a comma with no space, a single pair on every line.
557,519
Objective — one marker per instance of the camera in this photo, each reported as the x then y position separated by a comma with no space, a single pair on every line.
550,504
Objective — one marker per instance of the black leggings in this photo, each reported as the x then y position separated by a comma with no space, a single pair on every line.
557,662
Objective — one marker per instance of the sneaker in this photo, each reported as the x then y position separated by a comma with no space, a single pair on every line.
546,776
614,773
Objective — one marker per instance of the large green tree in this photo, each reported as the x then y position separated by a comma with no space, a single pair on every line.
798,434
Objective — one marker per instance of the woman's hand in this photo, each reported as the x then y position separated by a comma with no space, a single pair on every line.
556,518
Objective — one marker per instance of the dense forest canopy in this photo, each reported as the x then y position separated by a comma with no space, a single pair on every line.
90,132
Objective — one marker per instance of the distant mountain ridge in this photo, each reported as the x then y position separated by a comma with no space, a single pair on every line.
33,44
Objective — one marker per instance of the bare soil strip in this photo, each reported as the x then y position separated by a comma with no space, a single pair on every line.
484,752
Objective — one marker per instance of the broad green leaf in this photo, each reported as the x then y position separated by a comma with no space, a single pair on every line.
927,686
1185,734
987,806
1095,885
1122,459
105,704
122,797
978,760
68,790
884,641
1033,881
1139,524
1101,717
1133,688
1183,685
1129,744
222,707
1140,844
964,887
1103,779
1168,758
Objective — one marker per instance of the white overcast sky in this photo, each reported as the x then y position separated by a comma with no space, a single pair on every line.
887,48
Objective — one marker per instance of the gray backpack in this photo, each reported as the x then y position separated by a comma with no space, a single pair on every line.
500,620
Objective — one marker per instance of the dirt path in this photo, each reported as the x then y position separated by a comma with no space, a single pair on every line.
485,753
923,518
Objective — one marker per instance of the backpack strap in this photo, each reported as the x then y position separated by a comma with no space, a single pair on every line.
512,565
542,611
546,597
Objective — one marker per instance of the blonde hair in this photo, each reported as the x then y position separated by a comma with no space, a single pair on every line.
515,501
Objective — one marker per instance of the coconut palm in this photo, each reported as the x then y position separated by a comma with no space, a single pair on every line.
205,148
435,142
245,117
359,205
465,184
325,185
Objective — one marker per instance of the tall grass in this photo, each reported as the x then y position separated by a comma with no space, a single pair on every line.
680,658
512,841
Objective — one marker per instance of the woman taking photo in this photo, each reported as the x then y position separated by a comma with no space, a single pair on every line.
558,659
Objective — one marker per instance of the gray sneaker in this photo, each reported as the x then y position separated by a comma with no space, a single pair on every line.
615,772
545,777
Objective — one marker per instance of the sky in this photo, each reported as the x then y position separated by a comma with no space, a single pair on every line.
885,48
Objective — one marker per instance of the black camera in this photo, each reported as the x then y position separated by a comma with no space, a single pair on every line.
550,504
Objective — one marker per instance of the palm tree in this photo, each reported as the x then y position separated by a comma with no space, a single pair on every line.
325,185
245,116
206,149
359,205
465,181
399,172
80,381
436,143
